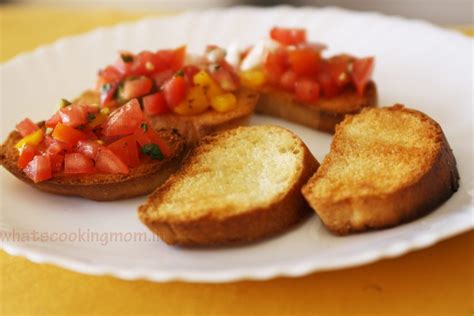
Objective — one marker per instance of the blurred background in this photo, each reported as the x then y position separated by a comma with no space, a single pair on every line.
443,12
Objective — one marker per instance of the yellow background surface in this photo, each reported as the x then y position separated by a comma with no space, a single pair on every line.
434,281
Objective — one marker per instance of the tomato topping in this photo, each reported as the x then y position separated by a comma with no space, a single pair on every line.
56,147
154,104
189,72
275,64
288,79
338,67
26,155
150,136
135,87
53,120
109,75
361,72
108,162
57,163
288,36
175,91
39,169
126,149
224,75
26,127
67,134
88,148
77,163
73,115
173,58
307,90
163,76
304,61
124,121
107,94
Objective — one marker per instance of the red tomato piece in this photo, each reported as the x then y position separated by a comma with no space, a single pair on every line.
275,64
88,148
123,121
338,67
174,91
67,134
107,94
172,58
189,72
225,76
56,147
288,79
77,163
154,104
307,90
108,162
26,127
163,76
328,86
73,115
288,36
136,87
126,64
26,155
147,63
110,75
39,168
304,61
126,149
361,72
57,163
53,120
150,136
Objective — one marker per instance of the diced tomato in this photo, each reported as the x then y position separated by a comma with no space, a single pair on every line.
288,79
135,87
189,72
67,134
225,76
73,115
53,120
108,162
88,148
155,104
327,84
26,127
304,61
110,75
77,163
39,169
57,162
150,136
56,147
162,77
107,94
338,67
174,58
123,121
361,73
147,63
174,91
307,90
126,64
26,155
288,36
126,149
275,64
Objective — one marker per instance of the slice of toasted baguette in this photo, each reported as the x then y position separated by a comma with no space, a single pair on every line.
102,187
236,186
386,166
322,115
194,127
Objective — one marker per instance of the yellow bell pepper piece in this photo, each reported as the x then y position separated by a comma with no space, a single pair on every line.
33,139
205,81
196,102
252,78
224,102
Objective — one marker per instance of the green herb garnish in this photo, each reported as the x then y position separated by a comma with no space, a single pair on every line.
152,151
63,103
144,127
180,73
105,88
126,58
90,117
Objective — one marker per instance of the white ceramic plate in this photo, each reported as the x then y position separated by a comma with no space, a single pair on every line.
418,64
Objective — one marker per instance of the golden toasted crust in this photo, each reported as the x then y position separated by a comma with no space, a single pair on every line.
421,171
102,187
195,127
323,115
211,228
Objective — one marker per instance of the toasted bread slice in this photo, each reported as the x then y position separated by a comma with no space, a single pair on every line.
102,187
236,186
194,127
322,115
386,166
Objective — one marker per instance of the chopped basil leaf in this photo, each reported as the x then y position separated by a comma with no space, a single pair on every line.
90,117
152,151
144,127
105,88
126,58
180,73
63,103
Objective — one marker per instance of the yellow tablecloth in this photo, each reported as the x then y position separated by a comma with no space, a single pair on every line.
434,281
